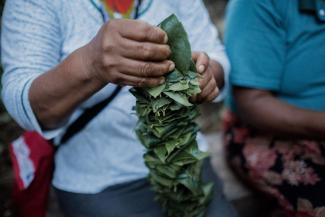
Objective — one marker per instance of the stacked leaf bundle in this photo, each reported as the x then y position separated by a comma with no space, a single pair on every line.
168,130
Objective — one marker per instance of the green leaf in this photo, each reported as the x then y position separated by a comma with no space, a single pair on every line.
178,86
178,42
194,82
157,104
174,76
178,97
193,90
190,182
161,180
156,91
192,74
161,153
169,171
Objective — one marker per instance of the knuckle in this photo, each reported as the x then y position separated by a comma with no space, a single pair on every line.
111,24
161,69
107,45
154,34
204,55
146,51
107,62
145,69
146,28
160,35
204,58
141,82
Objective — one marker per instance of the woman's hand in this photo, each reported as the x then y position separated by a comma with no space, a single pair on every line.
211,77
129,52
124,52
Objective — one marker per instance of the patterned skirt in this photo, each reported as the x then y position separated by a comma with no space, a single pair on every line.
291,171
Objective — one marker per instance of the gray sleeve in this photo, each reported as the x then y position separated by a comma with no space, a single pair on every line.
31,44
203,34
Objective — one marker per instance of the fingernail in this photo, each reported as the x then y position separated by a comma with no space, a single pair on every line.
165,39
172,66
201,68
162,81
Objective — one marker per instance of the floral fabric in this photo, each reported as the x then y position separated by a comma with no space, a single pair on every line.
292,171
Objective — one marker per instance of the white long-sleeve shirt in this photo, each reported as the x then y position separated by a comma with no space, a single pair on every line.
38,35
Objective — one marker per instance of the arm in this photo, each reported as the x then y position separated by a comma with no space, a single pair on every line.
113,56
267,113
38,90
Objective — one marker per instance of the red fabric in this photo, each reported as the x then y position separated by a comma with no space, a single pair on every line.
32,202
120,6
18,181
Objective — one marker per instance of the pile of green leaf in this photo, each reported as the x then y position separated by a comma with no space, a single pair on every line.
167,129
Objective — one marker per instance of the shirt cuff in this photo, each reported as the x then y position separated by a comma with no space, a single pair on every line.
224,62
33,122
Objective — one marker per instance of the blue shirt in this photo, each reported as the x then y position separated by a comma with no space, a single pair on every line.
38,34
272,45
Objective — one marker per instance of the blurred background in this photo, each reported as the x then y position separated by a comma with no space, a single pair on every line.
246,202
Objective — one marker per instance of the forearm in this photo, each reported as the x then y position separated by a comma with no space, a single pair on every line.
55,94
265,112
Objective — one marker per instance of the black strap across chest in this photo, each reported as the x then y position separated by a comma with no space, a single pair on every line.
89,113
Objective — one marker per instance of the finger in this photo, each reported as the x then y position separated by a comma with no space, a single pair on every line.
135,81
193,99
146,69
207,90
205,79
144,50
202,62
212,95
142,31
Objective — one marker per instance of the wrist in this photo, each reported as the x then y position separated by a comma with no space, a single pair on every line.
86,65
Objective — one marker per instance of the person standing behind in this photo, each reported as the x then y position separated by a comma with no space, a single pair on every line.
275,132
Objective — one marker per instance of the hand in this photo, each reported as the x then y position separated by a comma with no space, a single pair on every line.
129,52
210,78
